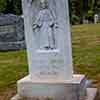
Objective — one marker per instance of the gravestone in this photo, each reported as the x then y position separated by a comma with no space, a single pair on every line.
49,52
45,35
96,18
11,32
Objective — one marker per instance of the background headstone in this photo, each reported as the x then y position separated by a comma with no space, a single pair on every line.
96,18
11,32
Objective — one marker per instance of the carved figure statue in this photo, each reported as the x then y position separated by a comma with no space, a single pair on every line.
46,24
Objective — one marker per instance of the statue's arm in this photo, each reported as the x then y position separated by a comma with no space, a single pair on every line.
37,23
54,19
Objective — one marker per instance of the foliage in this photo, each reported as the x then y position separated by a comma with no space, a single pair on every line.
11,6
85,8
97,6
17,7
77,6
75,19
2,5
90,13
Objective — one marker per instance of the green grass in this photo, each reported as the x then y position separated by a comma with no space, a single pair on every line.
86,51
13,66
86,58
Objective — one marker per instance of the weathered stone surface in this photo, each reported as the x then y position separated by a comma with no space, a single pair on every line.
11,32
48,39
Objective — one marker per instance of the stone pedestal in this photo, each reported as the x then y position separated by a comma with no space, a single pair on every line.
73,89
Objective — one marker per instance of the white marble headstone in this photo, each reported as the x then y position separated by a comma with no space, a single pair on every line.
48,39
96,18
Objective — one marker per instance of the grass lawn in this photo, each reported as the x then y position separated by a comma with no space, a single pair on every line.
86,54
13,66
86,51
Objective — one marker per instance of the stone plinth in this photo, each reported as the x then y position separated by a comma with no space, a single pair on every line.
56,90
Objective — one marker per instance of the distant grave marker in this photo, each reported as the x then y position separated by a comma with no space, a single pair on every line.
11,32
96,18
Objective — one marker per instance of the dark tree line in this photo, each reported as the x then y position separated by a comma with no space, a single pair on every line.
83,8
78,8
10,6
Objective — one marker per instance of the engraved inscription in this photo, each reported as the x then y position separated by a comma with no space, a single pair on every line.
50,68
7,29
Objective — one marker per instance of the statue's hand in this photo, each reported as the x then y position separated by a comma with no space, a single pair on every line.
51,24
56,25
34,26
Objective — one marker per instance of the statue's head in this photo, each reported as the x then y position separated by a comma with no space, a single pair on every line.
44,3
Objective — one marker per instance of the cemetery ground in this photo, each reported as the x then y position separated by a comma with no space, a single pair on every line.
86,54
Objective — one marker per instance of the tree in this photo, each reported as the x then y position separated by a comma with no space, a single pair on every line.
10,6
97,6
2,5
76,9
17,7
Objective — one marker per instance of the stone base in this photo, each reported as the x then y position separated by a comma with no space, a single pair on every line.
52,90
90,95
